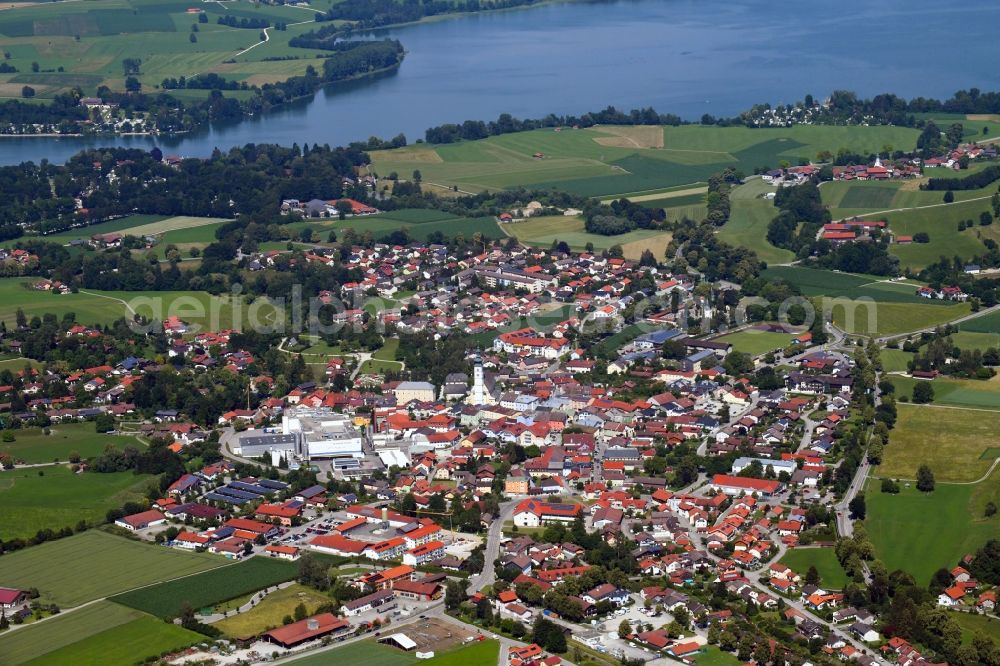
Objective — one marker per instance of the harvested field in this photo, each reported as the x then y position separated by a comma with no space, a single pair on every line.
639,136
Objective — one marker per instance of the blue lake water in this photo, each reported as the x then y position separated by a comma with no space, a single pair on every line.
687,57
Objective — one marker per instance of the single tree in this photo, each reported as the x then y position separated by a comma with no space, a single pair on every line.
925,479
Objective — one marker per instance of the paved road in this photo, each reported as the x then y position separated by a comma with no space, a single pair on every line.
488,576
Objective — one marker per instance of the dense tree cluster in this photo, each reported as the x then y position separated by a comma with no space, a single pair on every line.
974,181
507,124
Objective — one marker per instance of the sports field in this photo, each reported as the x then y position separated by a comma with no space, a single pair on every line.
270,612
89,41
543,231
748,219
30,642
950,441
756,341
33,446
54,497
970,393
127,643
366,652
831,574
112,564
597,162
166,599
922,532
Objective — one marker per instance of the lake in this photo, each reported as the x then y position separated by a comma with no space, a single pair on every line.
687,57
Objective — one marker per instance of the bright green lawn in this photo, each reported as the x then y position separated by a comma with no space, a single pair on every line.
62,630
922,532
971,393
713,656
366,652
32,446
831,574
543,231
112,564
895,360
748,220
757,342
127,643
54,497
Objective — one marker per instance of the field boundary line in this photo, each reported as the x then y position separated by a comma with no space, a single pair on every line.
111,298
900,210
984,477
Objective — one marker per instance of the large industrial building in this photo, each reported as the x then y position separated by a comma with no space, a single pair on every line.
307,434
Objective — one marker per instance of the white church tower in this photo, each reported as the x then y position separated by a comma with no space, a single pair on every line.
478,396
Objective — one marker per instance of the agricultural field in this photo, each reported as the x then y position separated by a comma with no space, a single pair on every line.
543,231
860,198
824,559
38,640
88,41
34,446
208,588
113,564
894,307
54,497
420,223
171,229
952,442
748,219
922,532
757,341
969,393
127,643
607,161
941,226
270,612
988,323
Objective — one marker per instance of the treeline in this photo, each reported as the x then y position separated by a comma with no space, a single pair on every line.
973,181
368,14
250,23
64,110
471,130
209,81
622,216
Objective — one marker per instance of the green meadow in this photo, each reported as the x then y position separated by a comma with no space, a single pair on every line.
420,223
112,564
54,497
748,219
131,642
969,393
39,640
922,532
866,305
89,40
32,445
831,574
954,443
608,160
